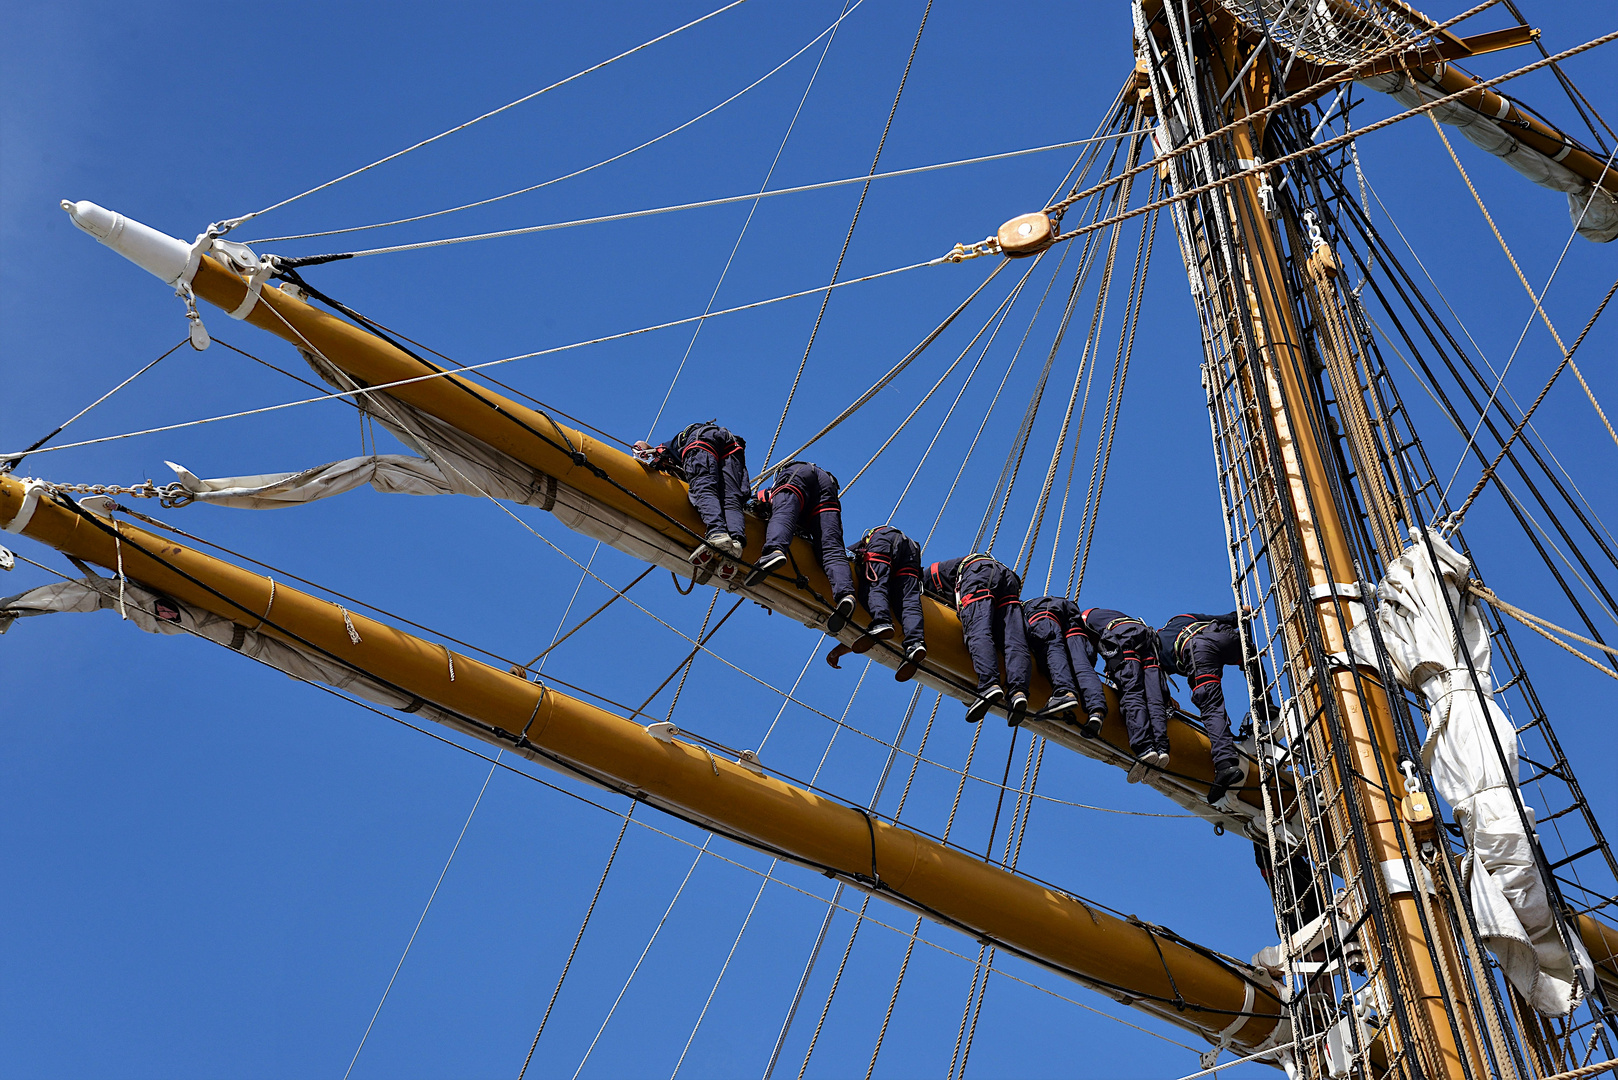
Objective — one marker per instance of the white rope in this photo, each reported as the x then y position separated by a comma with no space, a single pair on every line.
753,209
642,958
482,366
631,215
588,168
428,907
233,222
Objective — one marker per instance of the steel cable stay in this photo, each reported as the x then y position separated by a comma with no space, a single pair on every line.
9,463
830,30
232,223
298,261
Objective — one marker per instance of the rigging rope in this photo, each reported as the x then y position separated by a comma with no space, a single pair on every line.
1567,355
891,374
853,223
631,215
1087,524
10,462
832,29
753,209
428,907
1000,312
232,223
1567,358
465,368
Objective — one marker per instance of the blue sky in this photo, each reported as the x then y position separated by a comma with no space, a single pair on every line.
212,870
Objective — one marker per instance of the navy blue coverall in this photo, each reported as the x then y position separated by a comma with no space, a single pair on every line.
1058,640
804,502
1199,646
1130,647
988,597
713,463
889,580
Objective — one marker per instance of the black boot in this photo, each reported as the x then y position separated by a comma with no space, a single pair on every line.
1225,778
985,700
1064,701
766,565
840,614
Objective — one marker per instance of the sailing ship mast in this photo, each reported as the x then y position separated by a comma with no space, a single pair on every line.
1404,989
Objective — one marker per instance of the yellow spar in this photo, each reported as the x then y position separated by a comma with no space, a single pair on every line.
1188,986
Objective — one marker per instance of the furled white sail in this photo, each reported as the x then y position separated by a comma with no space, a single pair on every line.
1594,211
1471,752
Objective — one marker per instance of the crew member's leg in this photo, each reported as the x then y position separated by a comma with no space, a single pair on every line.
702,470
737,491
907,579
1050,651
1208,695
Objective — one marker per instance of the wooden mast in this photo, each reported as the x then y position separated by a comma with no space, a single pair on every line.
1448,1037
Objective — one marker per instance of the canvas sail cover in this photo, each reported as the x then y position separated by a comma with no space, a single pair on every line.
1593,210
1471,753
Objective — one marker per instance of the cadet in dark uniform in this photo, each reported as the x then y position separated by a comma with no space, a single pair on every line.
887,576
713,463
988,597
1130,647
803,502
1065,652
1199,647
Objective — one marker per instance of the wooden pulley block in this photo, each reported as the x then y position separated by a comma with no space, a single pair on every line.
1027,234
1418,813
1323,262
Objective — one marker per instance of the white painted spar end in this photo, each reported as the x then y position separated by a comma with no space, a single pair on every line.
158,253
